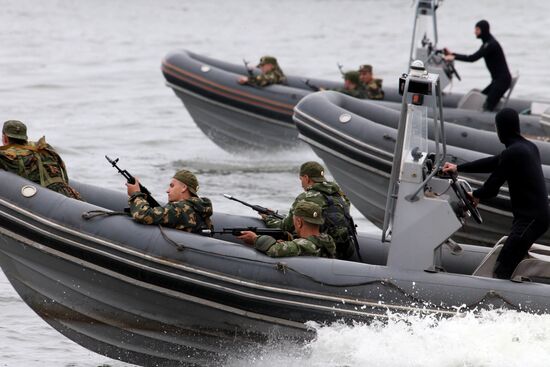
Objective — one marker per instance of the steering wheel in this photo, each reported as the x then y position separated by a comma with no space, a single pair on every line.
461,193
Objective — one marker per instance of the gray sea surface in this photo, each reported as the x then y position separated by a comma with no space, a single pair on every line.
86,74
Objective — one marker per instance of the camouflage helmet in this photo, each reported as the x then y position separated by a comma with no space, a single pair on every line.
352,76
313,170
267,60
189,179
366,68
309,212
15,129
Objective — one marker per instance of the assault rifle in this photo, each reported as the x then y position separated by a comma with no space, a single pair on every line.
259,209
352,230
313,87
248,70
276,233
131,180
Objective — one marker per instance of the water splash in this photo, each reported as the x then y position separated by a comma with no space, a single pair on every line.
494,338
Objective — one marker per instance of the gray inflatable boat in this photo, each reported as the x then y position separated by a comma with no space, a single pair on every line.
356,140
150,297
240,117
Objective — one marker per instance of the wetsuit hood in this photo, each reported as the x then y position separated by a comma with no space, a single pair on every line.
507,122
485,33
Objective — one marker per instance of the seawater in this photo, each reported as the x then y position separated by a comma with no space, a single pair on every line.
87,75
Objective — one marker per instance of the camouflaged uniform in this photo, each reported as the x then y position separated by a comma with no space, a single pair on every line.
321,245
191,215
40,163
322,193
274,76
373,90
358,92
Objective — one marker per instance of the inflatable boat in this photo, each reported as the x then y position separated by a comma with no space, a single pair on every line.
240,117
356,140
138,294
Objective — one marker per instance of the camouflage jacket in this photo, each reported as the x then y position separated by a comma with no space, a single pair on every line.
40,163
373,89
275,76
357,93
321,245
192,215
336,223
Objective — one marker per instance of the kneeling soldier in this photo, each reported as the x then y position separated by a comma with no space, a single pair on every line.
307,221
185,209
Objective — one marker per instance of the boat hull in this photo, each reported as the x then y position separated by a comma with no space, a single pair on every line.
236,130
127,291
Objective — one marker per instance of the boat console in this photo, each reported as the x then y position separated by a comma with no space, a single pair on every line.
424,49
424,206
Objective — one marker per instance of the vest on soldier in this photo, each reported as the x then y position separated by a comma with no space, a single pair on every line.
337,224
26,159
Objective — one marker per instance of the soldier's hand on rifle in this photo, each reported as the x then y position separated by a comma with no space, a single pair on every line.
248,237
131,188
243,80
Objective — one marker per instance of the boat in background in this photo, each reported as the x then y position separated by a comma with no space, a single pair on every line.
356,140
242,117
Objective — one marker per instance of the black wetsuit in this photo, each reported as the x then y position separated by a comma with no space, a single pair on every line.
519,165
493,54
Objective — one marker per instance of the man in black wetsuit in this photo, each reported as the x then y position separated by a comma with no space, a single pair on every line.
491,51
519,165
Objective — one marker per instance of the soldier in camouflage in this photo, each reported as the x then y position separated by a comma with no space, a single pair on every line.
185,210
35,161
307,220
352,85
271,74
371,86
334,204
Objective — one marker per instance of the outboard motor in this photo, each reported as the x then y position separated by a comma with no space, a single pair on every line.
421,210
